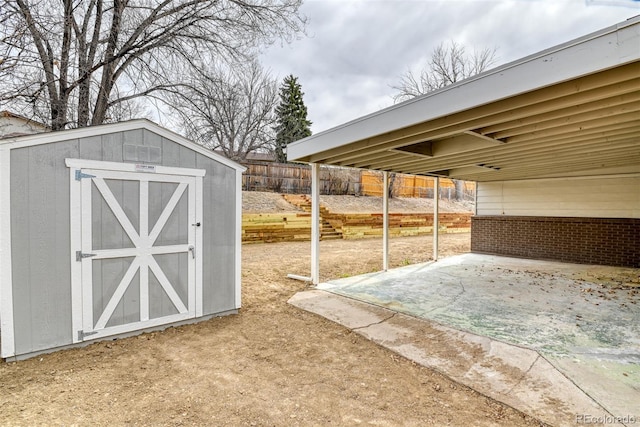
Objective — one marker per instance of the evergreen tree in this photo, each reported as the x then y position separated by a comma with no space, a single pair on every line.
291,117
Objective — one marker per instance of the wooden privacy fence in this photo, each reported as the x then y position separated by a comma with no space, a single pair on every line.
266,228
294,178
404,185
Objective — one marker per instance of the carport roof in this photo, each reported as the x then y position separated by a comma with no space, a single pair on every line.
571,110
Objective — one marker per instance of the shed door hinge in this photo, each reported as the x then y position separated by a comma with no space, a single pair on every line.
80,175
82,334
80,255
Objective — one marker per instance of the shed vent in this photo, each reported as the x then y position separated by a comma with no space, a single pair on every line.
142,153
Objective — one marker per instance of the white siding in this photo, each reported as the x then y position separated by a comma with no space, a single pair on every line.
601,197
15,125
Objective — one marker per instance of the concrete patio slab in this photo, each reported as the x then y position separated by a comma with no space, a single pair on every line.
557,341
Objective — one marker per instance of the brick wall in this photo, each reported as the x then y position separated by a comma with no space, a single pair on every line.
606,241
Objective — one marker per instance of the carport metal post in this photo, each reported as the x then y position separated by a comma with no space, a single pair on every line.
436,197
385,221
315,223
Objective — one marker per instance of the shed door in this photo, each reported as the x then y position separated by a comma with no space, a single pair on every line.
138,250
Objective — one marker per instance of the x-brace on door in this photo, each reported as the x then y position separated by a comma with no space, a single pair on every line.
136,246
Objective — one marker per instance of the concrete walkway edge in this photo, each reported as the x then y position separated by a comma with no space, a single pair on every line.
516,376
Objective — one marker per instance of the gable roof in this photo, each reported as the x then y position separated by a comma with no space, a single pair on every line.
19,125
64,135
573,109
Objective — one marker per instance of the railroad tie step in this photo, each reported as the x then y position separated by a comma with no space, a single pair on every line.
303,202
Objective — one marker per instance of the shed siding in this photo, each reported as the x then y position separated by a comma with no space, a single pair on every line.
602,197
40,243
40,238
219,236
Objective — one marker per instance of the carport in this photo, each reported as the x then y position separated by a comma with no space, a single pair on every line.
553,142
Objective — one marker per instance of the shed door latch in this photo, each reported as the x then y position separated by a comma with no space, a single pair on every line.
80,175
82,334
80,255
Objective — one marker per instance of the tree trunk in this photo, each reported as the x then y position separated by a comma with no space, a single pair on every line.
102,102
459,186
392,180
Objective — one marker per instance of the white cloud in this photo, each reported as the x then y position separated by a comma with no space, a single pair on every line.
357,49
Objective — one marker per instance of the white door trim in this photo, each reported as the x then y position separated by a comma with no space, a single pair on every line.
199,295
132,167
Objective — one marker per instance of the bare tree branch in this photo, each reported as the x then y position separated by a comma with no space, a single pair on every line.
449,63
229,110
75,63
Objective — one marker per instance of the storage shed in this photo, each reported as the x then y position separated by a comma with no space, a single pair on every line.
113,230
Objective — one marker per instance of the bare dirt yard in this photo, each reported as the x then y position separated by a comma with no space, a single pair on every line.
270,365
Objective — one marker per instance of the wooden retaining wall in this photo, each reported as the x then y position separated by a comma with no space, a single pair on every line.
266,228
362,225
276,227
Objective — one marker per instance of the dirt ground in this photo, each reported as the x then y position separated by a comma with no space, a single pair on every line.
265,202
270,365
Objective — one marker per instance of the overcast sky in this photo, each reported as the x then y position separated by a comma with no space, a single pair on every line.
357,49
